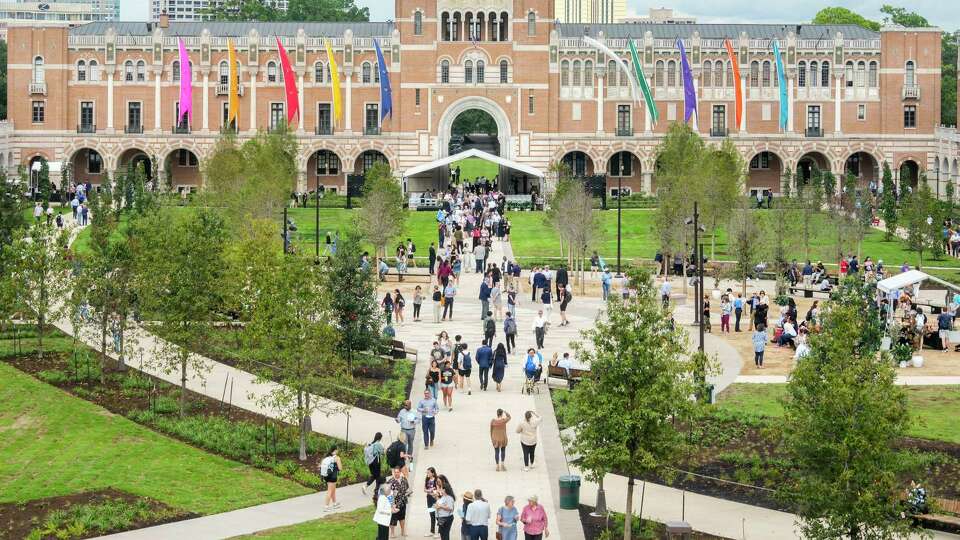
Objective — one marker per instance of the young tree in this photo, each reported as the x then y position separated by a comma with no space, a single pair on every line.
723,185
179,269
680,178
920,219
888,203
11,209
843,415
745,239
809,204
383,214
638,390
582,225
354,304
291,341
39,274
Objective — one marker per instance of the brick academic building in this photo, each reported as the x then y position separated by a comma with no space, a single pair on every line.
102,96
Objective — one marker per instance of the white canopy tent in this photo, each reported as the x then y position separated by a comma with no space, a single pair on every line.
435,174
909,279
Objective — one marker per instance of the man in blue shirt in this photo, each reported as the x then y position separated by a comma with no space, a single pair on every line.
484,358
428,409
737,311
539,282
407,418
484,299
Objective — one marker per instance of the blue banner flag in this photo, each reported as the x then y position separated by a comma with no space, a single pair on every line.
689,91
386,94
782,81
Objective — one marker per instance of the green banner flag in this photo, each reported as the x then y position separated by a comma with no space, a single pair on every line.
644,87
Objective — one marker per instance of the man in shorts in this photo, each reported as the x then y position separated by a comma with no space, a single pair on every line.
944,326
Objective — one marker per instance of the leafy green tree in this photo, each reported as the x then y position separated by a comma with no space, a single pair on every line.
948,78
383,214
843,415
474,121
571,213
39,270
297,10
902,17
179,271
745,241
809,204
291,341
244,10
12,204
842,15
354,304
725,170
920,219
43,182
888,202
637,393
680,174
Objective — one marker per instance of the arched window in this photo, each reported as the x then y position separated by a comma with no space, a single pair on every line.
504,72
93,71
848,74
754,74
624,81
611,74
38,69
872,74
671,74
444,71
81,70
468,72
861,74
418,23
588,74
318,72
765,74
576,73
271,71
801,74
175,70
128,71
825,74
365,73
658,74
376,72
481,72
730,80
911,73
531,24
141,71
707,73
718,73
814,77
328,163
224,70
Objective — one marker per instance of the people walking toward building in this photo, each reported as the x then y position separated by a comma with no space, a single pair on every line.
498,436
437,303
496,300
489,328
478,516
528,429
484,359
371,456
444,508
539,328
534,519
507,518
466,531
407,418
499,364
484,298
546,299
449,292
430,490
387,305
401,493
510,332
330,468
466,367
428,409
397,453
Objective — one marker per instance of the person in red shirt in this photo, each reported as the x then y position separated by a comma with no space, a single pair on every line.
844,267
534,520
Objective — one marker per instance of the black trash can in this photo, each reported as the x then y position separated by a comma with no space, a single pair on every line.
569,492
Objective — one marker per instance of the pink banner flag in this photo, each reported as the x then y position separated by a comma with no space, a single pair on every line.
186,85
289,84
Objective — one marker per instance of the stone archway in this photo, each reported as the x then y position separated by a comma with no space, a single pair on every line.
487,105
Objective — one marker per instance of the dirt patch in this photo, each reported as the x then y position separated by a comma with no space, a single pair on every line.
593,527
21,422
18,519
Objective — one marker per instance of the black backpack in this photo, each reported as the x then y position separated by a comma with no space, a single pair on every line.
490,327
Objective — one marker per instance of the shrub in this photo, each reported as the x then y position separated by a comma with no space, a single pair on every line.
85,519
53,376
309,479
135,381
285,468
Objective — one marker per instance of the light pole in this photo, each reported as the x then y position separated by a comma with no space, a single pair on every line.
317,224
698,284
619,205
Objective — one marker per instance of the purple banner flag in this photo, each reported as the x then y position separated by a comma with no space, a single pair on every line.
689,92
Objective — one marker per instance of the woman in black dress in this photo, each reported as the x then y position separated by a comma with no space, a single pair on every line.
499,364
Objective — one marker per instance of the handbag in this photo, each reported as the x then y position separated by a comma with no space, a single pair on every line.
499,536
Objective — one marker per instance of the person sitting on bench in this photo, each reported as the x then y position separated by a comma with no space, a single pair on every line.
789,334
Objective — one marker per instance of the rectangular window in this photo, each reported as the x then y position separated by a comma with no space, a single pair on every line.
765,113
416,97
277,119
38,112
624,128
224,114
813,118
530,108
576,112
94,162
910,116
134,115
324,119
760,161
182,125
861,111
371,119
186,158
719,121
327,163
86,115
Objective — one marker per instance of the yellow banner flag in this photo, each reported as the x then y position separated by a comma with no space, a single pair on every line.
233,107
335,78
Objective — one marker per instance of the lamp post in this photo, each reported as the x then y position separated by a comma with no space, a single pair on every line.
317,224
619,205
698,284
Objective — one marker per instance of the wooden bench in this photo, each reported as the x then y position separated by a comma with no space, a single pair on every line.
946,517
575,376
412,277
399,351
809,292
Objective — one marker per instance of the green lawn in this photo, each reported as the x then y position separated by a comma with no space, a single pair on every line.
936,409
472,168
420,226
55,444
354,525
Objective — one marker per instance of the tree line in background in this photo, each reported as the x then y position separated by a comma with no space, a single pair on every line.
297,10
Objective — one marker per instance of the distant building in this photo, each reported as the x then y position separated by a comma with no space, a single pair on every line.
661,16
56,13
193,10
591,11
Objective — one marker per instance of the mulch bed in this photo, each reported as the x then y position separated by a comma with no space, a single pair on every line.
18,519
593,527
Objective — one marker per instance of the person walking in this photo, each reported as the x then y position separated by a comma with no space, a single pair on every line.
383,514
507,518
606,282
498,436
444,508
562,279
478,516
726,308
539,328
371,456
759,345
534,519
387,305
484,361
510,332
466,532
466,367
489,328
528,429
499,364
449,292
437,303
398,304
565,295
428,409
496,298
737,311
401,493
431,492
330,468
511,300
484,298
432,257
447,384
407,418
417,302
546,298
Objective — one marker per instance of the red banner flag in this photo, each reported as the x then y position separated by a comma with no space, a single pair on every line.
289,84
737,83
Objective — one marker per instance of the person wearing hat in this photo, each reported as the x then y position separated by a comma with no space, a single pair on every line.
465,530
478,516
534,520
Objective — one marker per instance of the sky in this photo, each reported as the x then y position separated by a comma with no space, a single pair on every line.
938,12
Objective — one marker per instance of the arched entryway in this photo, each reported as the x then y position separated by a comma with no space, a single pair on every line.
136,160
864,167
909,174
35,169
182,170
579,163
325,169
624,169
86,165
368,159
765,173
485,105
809,165
474,128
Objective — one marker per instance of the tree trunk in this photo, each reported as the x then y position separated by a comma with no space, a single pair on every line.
628,512
40,334
183,385
303,426
103,348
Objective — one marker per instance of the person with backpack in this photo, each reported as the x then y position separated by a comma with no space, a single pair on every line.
484,361
489,329
510,331
566,295
397,454
330,468
466,366
371,456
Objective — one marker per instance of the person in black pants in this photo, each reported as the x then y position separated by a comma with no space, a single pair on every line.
484,358
372,454
562,279
433,257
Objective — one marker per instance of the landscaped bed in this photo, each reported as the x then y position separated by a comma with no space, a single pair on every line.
611,527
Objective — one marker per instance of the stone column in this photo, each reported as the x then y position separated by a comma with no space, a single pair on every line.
206,101
300,105
109,71
253,101
157,104
301,181
600,77
744,80
348,102
647,182
837,113
790,113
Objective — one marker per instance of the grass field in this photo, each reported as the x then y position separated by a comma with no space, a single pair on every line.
472,168
936,409
420,226
55,444
354,525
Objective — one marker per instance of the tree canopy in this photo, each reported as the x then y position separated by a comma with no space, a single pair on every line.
842,15
297,10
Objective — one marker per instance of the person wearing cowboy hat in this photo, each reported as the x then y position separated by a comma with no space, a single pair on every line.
534,519
465,530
